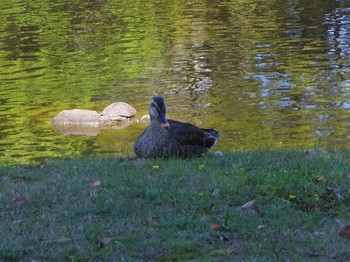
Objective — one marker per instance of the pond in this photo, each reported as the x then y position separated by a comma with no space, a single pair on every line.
266,73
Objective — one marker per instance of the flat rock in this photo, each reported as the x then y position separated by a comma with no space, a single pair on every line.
77,117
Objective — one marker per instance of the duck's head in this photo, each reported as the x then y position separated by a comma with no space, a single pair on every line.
157,111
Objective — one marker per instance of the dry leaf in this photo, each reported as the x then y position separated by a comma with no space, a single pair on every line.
62,239
310,154
215,192
345,231
225,238
156,219
42,163
339,222
318,234
96,183
248,205
334,190
319,179
216,227
20,201
104,242
309,206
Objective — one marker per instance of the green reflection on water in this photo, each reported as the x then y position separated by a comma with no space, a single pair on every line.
259,71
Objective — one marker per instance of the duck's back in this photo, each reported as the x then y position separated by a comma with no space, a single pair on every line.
188,134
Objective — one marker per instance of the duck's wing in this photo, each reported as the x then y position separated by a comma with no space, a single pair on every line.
188,134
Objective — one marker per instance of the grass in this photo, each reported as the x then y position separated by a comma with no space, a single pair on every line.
102,209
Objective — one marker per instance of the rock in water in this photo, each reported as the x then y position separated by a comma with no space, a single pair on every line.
117,111
77,117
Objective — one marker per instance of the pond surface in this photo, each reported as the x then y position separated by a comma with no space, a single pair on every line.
267,74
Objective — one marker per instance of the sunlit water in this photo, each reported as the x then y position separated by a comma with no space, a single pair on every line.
267,74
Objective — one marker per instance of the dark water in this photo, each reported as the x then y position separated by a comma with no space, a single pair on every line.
267,74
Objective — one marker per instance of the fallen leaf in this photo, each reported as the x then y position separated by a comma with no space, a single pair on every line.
62,239
248,205
345,231
20,201
42,163
334,190
156,219
215,192
216,227
310,154
318,234
223,252
225,238
104,242
309,206
292,197
319,179
200,167
339,222
261,227
96,183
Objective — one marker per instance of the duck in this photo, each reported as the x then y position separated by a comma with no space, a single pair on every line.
166,138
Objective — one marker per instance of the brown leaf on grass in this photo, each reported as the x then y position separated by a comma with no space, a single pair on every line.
215,192
156,219
261,227
310,154
334,190
225,238
62,239
248,205
345,231
339,222
20,201
216,227
42,164
308,206
95,183
319,179
104,242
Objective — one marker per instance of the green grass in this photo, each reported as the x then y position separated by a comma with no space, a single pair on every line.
163,210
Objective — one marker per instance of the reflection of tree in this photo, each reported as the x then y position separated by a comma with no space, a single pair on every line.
22,41
260,71
339,37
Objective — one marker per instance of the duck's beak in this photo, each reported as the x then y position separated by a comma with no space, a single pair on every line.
163,121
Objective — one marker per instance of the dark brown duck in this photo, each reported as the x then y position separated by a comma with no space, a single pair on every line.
166,138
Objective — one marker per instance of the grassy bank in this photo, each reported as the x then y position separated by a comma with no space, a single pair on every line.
166,210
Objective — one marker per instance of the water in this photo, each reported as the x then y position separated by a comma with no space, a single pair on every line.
267,74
